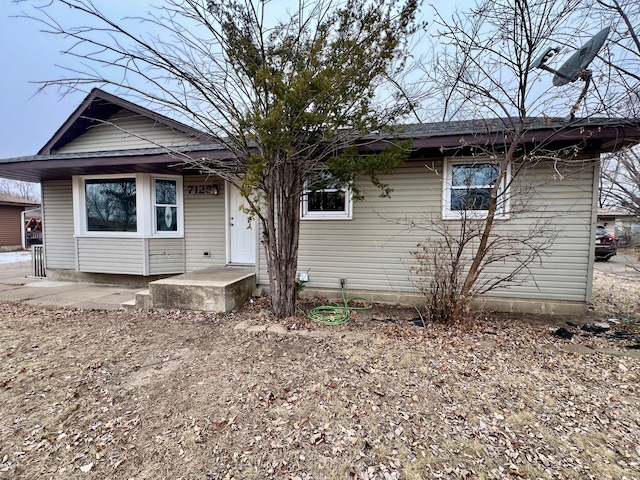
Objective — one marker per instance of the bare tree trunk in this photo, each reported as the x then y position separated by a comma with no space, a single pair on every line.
481,251
281,237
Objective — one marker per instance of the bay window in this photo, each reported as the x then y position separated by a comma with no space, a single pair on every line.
110,205
133,205
166,205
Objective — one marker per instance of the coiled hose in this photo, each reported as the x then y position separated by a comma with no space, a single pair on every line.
334,314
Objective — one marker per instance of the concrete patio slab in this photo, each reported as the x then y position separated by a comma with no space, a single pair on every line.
16,285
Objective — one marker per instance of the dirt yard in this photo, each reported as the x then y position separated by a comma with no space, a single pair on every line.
95,395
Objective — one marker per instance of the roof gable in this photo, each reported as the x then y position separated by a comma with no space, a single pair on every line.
98,108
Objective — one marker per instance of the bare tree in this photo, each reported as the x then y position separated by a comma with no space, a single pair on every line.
620,173
286,93
486,68
444,262
620,181
26,190
621,55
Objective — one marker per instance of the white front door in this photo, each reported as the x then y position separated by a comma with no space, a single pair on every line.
242,236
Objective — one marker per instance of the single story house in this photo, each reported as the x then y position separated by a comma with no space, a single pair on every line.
11,220
117,207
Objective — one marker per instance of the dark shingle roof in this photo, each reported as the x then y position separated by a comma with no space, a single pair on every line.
499,125
135,152
602,134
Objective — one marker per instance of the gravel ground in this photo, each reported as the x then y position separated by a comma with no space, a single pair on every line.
184,395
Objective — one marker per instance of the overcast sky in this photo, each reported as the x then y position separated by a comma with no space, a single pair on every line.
28,118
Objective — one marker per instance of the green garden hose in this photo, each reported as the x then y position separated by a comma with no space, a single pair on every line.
334,314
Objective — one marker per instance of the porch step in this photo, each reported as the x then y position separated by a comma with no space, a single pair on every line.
216,289
142,301
129,304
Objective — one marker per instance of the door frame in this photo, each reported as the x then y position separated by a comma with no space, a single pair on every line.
229,188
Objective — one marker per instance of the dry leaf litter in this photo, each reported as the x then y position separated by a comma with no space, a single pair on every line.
185,395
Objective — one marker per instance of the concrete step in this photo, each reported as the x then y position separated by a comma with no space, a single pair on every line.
217,289
143,300
129,304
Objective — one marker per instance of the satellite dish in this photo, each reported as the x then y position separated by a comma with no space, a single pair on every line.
549,52
576,66
577,63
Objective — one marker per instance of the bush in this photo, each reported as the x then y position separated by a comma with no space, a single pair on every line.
439,277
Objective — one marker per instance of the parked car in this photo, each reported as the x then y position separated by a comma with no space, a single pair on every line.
606,245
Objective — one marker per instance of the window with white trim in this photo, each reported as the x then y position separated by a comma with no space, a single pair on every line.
326,198
133,205
467,189
110,205
165,205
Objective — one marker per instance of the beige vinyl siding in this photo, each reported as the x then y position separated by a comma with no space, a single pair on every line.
126,130
57,208
262,277
204,225
565,199
166,256
372,251
111,255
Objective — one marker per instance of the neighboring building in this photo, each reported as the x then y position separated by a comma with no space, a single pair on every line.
11,225
624,225
115,204
32,227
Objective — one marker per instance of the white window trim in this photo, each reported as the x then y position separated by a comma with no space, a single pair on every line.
179,209
145,206
448,214
347,214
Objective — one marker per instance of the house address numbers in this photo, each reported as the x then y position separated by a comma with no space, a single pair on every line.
211,189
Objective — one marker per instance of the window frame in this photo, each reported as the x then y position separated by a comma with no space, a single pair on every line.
345,214
179,204
145,206
447,189
85,218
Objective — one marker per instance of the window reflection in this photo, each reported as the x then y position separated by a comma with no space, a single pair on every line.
111,205
472,184
325,194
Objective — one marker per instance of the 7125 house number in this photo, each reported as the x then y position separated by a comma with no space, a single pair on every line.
202,190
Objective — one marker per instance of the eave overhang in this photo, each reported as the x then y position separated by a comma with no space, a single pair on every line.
40,168
428,141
